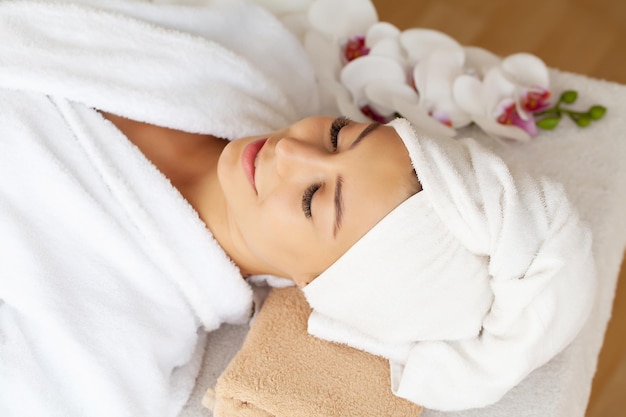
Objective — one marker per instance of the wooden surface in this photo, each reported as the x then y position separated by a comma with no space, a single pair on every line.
583,36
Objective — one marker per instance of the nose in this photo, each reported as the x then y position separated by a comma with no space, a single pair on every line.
301,161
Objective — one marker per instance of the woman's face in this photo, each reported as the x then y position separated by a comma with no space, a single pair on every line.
298,198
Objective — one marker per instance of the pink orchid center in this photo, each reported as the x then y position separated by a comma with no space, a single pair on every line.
536,100
510,116
355,48
374,115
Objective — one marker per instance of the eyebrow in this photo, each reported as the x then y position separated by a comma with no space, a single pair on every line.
369,129
339,184
338,205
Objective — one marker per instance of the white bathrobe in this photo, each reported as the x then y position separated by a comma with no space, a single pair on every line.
109,279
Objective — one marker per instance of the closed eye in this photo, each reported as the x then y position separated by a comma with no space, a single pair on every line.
338,124
307,199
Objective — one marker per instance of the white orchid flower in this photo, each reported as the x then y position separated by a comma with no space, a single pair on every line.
382,39
350,54
371,70
478,61
382,84
420,43
434,77
530,74
502,102
436,60
371,81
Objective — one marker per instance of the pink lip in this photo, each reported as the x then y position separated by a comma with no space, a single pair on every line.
247,159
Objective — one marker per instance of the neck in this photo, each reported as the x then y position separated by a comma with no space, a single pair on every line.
204,193
212,208
189,161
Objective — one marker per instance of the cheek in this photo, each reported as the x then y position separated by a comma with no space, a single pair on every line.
271,232
288,243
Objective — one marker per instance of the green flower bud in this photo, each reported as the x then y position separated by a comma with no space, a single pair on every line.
583,121
569,96
548,123
597,112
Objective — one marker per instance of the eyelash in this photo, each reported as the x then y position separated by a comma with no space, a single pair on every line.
338,124
307,198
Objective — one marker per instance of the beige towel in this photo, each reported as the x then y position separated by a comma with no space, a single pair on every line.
282,371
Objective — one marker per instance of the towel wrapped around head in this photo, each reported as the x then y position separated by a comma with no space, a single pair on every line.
467,286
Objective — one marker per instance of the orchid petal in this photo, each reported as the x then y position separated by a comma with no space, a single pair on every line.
377,113
420,43
452,113
500,131
506,105
496,87
435,74
467,92
324,55
389,48
526,70
510,115
297,23
383,93
420,119
348,107
381,31
358,73
329,16
434,78
522,114
480,60
527,124
280,7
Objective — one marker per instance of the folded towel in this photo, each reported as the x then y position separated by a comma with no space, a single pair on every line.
282,371
109,278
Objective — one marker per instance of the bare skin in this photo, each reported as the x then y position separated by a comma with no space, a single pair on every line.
300,205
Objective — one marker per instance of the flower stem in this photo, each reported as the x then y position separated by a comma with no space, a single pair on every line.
554,113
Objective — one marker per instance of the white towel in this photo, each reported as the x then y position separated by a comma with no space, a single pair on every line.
477,232
109,278
589,163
